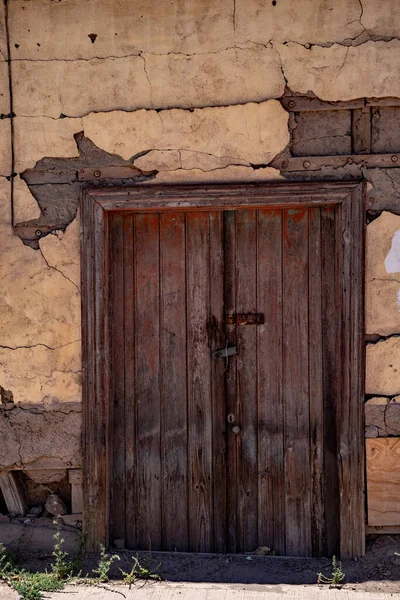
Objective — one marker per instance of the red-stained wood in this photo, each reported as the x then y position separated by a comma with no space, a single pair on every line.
129,373
117,306
295,382
217,337
330,302
246,387
294,389
229,220
199,383
147,382
174,419
316,305
271,487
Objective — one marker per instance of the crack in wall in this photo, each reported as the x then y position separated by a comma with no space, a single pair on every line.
30,346
58,270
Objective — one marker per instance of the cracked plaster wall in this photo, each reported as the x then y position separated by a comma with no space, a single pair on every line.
129,74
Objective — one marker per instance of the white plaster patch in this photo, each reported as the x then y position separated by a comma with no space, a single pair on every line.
392,261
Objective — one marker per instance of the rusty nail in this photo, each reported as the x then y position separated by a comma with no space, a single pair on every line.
38,233
306,164
394,158
285,164
97,173
349,161
291,104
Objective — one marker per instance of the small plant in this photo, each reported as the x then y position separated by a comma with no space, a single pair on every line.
104,566
337,577
139,571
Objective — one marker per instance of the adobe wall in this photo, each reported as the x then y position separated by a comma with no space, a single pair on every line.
188,90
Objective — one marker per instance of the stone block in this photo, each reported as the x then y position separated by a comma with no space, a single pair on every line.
250,132
322,132
382,307
233,76
383,248
375,409
317,22
75,88
42,437
101,28
383,367
341,72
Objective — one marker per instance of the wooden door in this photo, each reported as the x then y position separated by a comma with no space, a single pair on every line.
186,451
224,454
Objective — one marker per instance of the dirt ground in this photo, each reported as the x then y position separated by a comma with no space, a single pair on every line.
378,571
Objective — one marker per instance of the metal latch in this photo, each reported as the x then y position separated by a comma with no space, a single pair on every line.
225,353
245,319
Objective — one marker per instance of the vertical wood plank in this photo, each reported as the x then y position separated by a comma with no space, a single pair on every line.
247,401
316,377
129,372
331,371
361,129
217,337
199,383
296,391
230,376
271,493
117,421
147,382
173,382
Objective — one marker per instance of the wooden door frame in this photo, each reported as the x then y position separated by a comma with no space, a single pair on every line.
97,203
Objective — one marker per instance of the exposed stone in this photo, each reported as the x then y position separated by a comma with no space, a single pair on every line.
383,191
55,506
383,367
322,132
234,76
251,132
46,475
375,414
320,22
35,138
385,127
46,30
371,432
340,72
393,416
75,88
41,436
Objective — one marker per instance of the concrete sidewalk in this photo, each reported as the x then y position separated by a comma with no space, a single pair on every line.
203,591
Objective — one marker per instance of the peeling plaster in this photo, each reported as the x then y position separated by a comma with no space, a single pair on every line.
392,261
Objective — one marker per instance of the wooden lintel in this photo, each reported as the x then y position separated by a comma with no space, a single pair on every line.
384,102
304,103
111,172
316,163
35,177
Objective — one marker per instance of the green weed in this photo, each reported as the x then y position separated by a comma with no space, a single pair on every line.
337,577
104,566
140,571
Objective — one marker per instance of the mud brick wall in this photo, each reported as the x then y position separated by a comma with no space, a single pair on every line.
185,92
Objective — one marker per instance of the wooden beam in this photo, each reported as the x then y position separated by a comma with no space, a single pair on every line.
361,130
12,493
304,103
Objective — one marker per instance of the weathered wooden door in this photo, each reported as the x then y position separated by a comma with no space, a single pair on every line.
189,449
232,453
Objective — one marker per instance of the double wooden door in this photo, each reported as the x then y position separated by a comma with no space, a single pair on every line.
216,453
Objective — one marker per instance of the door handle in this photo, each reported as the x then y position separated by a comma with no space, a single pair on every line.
225,353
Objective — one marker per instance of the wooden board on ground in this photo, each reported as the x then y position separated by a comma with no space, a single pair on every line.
383,481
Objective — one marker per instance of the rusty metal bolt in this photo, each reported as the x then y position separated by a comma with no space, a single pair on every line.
38,233
97,173
349,161
285,164
394,158
291,104
306,164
